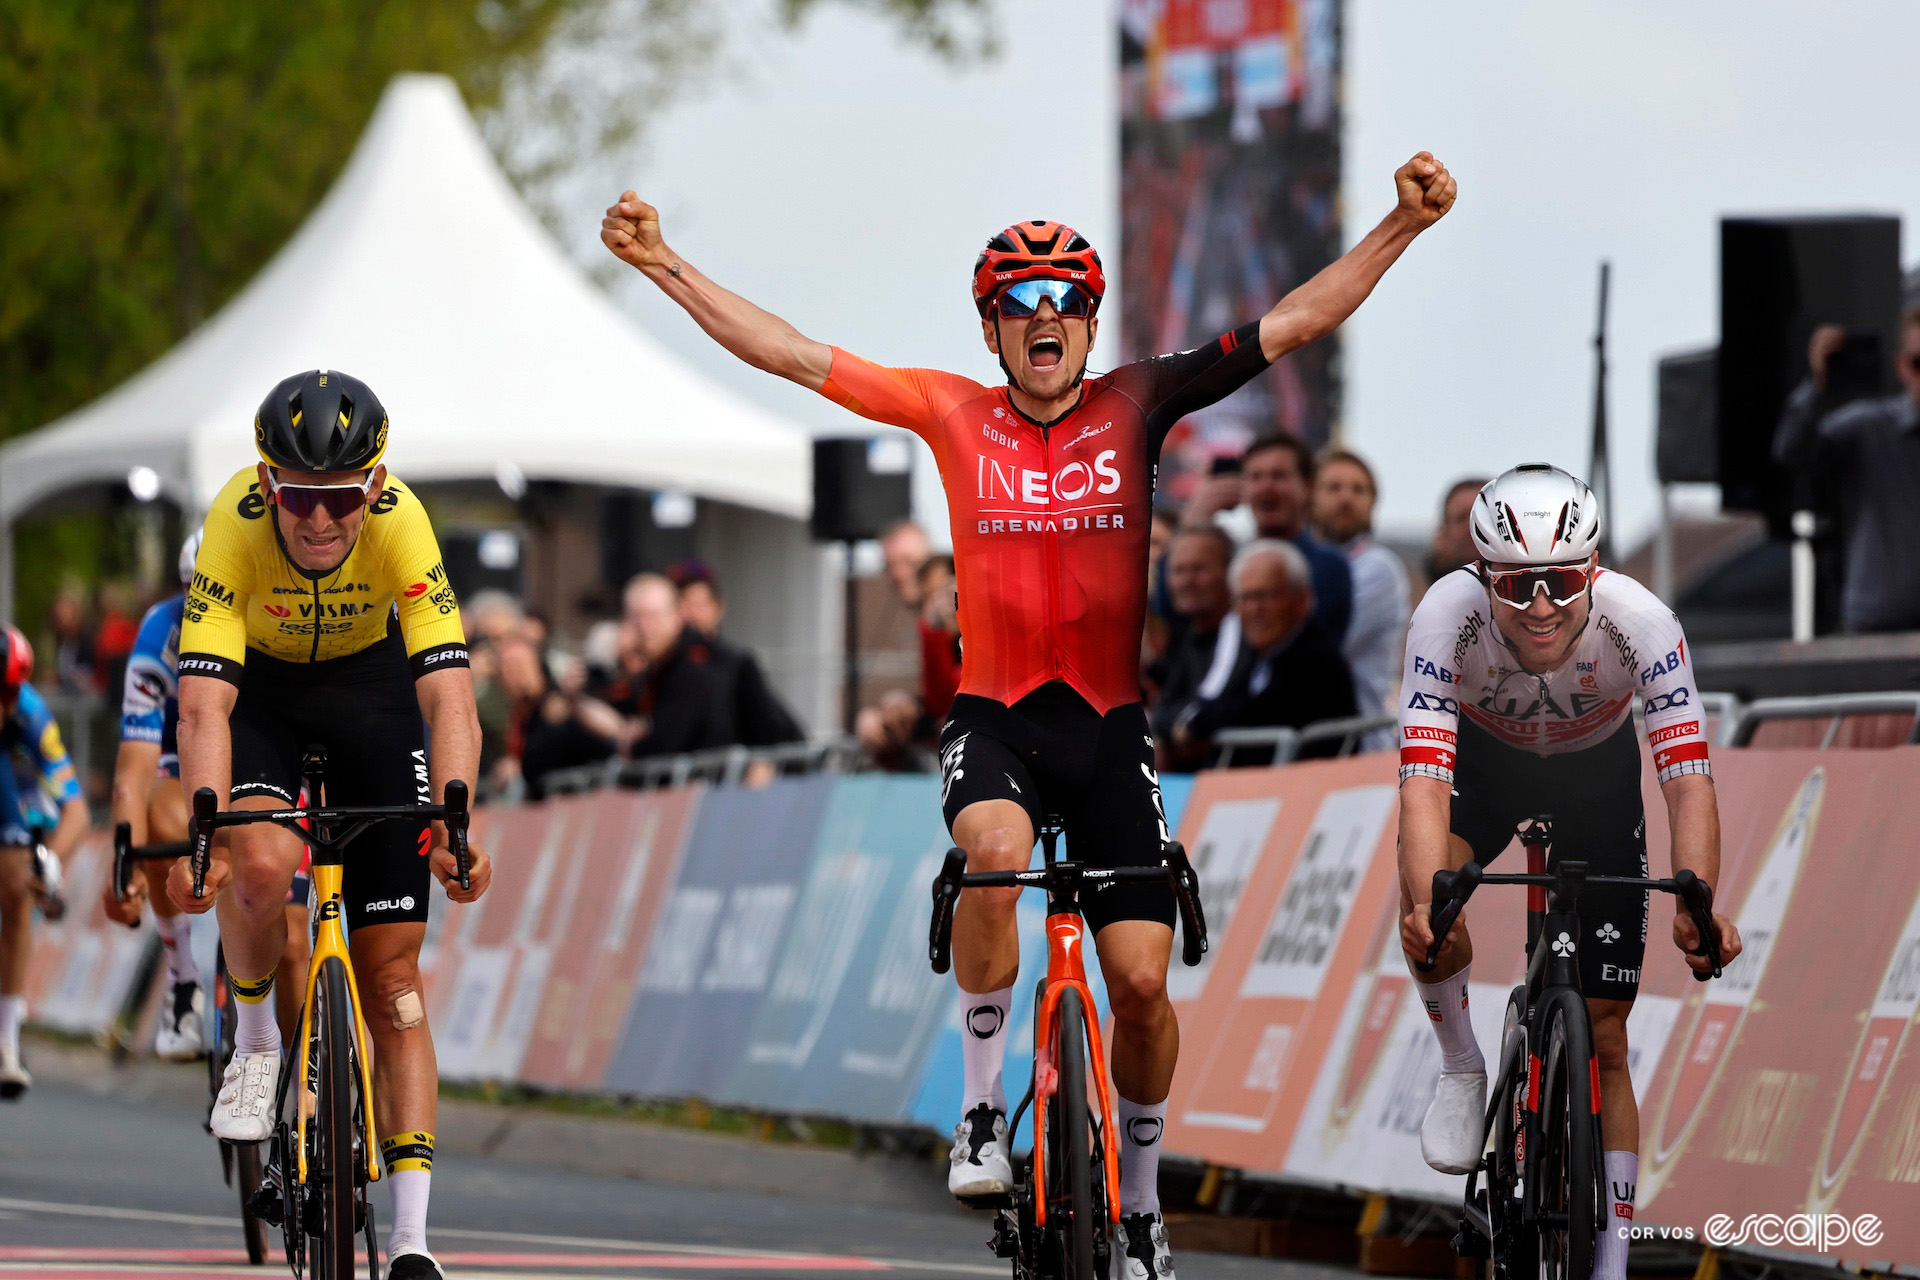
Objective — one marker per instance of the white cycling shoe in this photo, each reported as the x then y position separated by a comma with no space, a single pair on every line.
1144,1254
180,1036
980,1163
14,1079
244,1110
1452,1135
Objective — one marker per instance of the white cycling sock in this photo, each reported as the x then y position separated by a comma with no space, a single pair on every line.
1446,1002
176,935
1622,1171
409,1161
983,1042
255,1030
13,1013
1141,1125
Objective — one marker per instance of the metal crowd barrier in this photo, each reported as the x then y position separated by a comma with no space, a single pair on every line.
1286,744
1836,707
722,766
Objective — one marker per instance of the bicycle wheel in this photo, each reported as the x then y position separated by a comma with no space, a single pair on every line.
1563,1165
1070,1206
331,1160
1510,1252
252,1170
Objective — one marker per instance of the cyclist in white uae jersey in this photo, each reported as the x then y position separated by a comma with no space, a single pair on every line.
1523,671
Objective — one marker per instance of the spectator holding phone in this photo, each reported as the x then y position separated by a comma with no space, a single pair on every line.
1871,447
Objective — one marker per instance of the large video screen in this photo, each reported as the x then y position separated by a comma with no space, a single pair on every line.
1229,195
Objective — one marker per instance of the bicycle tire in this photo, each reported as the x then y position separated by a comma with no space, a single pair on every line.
331,1159
1508,1246
1565,1161
1070,1205
252,1171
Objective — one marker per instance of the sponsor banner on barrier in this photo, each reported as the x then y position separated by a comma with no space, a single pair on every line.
1286,963
1791,1084
718,938
483,973
82,968
854,1006
598,935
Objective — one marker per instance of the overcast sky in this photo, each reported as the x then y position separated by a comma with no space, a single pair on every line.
846,183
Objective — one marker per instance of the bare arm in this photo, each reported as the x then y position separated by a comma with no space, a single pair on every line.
631,230
1323,303
453,751
74,820
1426,811
133,772
206,741
1693,819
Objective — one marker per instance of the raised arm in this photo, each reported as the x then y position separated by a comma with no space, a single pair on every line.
631,230
1323,303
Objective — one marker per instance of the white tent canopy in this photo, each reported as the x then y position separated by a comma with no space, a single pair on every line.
422,273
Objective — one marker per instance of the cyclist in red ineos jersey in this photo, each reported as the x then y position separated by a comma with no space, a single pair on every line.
1050,483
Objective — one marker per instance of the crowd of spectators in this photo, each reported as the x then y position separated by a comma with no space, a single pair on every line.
1863,450
659,680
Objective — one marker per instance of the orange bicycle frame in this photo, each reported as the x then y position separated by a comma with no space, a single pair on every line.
1066,969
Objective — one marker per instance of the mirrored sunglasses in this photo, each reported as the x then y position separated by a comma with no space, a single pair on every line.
1562,583
340,500
1017,301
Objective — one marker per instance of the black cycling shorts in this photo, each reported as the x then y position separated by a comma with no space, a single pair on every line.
1052,753
1593,797
363,710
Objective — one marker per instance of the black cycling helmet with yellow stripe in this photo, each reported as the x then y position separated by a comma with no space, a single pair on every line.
321,420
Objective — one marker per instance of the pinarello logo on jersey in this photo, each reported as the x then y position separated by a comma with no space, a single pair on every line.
278,610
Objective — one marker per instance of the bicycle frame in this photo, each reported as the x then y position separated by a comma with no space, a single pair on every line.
330,939
1067,970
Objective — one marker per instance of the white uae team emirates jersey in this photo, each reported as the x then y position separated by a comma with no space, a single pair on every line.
1458,665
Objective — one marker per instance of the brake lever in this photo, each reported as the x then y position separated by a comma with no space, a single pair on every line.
946,892
1697,894
456,820
205,805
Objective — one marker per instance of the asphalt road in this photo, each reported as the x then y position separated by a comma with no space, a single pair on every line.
103,1181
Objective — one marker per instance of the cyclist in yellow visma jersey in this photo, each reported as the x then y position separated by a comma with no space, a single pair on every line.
320,614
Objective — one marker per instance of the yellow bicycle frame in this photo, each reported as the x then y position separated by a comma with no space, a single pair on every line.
330,939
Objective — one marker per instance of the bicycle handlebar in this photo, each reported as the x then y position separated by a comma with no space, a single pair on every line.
125,854
207,818
1175,869
1451,889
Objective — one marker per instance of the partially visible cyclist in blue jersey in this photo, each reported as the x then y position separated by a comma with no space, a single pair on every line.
32,759
147,796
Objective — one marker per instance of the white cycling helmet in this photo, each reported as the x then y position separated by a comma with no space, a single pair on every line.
1535,514
189,552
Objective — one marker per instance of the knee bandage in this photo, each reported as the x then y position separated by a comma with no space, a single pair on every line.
408,1012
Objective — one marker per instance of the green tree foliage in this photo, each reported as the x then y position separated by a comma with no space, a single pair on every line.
155,153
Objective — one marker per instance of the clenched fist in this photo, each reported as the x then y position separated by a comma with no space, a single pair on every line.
631,230
1426,190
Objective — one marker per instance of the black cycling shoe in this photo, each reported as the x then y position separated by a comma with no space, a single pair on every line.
414,1266
1146,1256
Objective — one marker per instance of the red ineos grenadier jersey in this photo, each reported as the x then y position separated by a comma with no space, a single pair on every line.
1050,521
1632,649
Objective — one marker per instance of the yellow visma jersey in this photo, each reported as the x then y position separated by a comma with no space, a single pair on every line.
246,593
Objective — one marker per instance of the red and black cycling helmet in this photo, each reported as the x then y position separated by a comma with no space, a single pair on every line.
1036,250
16,659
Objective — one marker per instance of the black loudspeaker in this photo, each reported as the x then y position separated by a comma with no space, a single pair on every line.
1779,278
1686,440
862,486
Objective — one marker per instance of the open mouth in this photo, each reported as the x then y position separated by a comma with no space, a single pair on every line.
1541,630
1045,352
